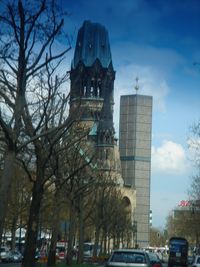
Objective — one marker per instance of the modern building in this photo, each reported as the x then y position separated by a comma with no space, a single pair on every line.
135,153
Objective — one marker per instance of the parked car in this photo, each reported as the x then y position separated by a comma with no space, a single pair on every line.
13,256
196,261
3,253
128,258
190,260
154,259
37,255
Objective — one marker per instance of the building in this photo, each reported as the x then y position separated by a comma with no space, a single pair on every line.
135,154
185,221
92,88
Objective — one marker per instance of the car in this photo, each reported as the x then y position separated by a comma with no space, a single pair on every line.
3,253
128,257
190,260
154,259
13,256
37,255
196,261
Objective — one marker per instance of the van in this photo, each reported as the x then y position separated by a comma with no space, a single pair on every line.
178,252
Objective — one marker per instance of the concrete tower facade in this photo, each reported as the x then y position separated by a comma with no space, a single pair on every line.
135,154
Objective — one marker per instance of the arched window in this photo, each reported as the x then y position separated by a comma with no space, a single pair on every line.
92,88
84,88
99,88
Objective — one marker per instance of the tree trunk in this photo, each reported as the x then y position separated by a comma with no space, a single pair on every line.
108,249
81,230
122,240
118,240
55,231
105,243
5,182
102,244
96,241
70,248
33,223
114,241
13,230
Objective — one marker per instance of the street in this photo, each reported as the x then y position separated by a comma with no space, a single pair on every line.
10,264
19,265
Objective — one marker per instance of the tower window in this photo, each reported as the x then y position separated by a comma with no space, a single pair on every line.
85,88
92,88
99,88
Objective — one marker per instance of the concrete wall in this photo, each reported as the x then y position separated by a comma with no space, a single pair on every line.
135,155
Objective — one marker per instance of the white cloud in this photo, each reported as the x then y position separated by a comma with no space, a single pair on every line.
170,158
169,179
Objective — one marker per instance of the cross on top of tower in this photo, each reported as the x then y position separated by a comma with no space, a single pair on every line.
136,87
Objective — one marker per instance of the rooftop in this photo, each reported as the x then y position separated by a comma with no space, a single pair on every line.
92,44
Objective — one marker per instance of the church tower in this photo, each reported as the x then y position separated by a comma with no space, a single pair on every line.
92,84
92,91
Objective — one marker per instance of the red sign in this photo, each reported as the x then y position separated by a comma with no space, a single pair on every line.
184,203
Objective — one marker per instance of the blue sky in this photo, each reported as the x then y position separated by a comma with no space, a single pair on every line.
158,41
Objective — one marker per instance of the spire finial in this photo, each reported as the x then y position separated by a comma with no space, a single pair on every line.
136,84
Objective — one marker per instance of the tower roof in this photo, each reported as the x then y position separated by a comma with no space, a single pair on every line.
92,44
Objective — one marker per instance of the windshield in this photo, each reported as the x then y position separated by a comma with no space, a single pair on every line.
130,257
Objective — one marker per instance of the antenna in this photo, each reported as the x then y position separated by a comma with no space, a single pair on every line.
136,84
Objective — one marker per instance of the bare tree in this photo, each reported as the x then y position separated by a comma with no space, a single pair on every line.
157,238
69,162
194,189
107,214
32,108
186,222
18,206
77,186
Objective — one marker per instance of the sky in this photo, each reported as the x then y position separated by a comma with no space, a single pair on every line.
159,42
